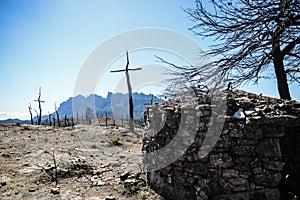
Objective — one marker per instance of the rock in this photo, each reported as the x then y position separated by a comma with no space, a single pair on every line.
221,160
110,198
124,176
55,190
238,181
274,165
4,180
100,183
31,189
242,150
230,173
269,148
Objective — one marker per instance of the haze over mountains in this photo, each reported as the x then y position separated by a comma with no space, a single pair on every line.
115,105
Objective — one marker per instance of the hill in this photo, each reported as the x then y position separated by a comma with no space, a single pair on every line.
14,121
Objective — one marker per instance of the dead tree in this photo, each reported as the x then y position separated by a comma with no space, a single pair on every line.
249,40
55,165
72,121
57,115
37,116
53,118
40,107
106,118
66,121
29,108
126,70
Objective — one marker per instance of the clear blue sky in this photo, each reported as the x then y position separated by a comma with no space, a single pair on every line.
45,43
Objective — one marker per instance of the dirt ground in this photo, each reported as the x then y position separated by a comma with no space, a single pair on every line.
84,162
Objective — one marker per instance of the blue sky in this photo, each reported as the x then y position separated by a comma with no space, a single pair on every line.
45,43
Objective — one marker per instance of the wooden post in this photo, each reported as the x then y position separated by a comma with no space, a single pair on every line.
126,70
40,107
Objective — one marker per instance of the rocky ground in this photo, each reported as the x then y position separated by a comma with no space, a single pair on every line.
84,162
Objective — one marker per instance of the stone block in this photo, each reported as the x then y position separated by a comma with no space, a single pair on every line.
238,181
230,173
223,160
273,165
269,148
242,150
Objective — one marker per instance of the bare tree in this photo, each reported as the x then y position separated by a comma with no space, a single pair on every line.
57,115
53,118
66,121
29,108
37,115
126,70
250,37
40,107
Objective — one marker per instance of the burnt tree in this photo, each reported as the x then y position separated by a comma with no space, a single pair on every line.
126,70
29,108
39,122
37,116
250,40
57,115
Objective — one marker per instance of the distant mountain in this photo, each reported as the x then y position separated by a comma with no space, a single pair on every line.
115,105
11,121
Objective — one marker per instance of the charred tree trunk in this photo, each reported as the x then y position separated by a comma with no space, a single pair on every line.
57,115
66,121
53,121
31,119
130,102
49,116
106,119
39,122
72,121
37,116
126,70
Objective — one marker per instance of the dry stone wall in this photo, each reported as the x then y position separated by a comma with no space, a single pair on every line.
246,162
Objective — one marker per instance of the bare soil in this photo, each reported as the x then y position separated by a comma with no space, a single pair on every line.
83,162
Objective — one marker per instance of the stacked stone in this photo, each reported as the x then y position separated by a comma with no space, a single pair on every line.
245,162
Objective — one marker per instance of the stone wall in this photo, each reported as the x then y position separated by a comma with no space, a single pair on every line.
247,161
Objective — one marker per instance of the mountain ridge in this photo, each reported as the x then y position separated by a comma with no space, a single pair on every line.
114,104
